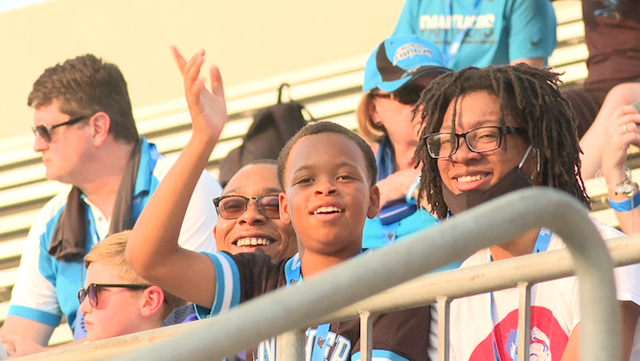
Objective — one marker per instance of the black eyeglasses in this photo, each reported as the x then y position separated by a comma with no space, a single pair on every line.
233,206
44,131
92,291
479,140
407,95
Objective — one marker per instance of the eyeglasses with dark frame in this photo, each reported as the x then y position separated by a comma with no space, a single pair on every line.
92,290
233,206
479,140
407,95
44,131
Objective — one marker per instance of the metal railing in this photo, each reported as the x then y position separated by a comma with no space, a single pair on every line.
315,301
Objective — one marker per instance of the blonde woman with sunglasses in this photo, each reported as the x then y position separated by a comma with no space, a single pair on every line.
395,75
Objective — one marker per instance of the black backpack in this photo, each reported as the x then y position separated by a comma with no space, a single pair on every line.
271,129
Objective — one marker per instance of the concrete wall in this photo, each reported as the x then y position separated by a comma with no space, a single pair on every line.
248,39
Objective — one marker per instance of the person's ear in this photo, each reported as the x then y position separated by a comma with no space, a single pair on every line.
285,215
152,301
100,124
373,113
374,201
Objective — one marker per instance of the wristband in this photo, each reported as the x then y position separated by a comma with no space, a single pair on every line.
626,205
412,189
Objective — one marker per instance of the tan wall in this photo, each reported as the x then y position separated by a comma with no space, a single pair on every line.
247,39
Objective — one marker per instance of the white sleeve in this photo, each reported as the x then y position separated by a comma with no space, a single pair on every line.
627,277
34,293
197,228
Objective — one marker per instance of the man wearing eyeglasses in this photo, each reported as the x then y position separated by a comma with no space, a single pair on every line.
85,131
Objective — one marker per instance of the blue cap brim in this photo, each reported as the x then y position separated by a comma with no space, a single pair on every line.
391,86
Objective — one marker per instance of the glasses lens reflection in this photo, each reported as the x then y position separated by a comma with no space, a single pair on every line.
233,206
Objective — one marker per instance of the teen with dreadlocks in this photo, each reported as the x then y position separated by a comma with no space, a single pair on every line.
492,131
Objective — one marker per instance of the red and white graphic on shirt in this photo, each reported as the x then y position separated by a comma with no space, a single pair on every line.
548,339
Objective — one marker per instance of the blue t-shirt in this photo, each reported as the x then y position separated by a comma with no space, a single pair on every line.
500,32
374,233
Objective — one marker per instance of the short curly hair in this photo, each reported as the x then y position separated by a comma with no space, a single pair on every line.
531,98
86,85
328,127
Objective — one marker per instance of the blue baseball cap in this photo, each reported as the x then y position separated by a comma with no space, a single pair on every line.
400,59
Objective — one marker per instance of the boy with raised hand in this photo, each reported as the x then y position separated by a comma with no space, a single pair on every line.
328,176
116,300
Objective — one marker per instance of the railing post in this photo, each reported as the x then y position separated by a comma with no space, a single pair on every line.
366,336
524,320
290,346
444,316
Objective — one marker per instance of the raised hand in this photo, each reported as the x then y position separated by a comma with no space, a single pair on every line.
207,108
622,131
153,251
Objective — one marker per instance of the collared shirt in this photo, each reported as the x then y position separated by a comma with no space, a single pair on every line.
46,288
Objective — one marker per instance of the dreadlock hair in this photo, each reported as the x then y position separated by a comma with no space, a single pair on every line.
530,98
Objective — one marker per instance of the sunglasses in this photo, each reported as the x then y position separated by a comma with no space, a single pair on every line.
92,291
44,131
233,206
407,95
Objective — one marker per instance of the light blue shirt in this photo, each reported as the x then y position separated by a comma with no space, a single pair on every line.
500,32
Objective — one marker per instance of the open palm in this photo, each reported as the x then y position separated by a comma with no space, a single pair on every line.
207,108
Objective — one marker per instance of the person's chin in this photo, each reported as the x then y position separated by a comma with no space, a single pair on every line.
273,251
51,174
92,336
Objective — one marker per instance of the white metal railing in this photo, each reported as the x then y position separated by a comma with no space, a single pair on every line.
298,308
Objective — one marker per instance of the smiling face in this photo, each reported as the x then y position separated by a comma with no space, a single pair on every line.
466,170
328,194
119,309
68,150
252,230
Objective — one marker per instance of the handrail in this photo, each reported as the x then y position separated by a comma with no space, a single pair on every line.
298,308
474,280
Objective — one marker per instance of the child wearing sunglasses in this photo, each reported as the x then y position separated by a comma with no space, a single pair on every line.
116,300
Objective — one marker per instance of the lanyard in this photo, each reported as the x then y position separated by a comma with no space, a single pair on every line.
542,244
450,52
389,233
292,272
293,275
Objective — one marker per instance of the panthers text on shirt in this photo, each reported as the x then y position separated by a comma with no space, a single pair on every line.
480,26
338,348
